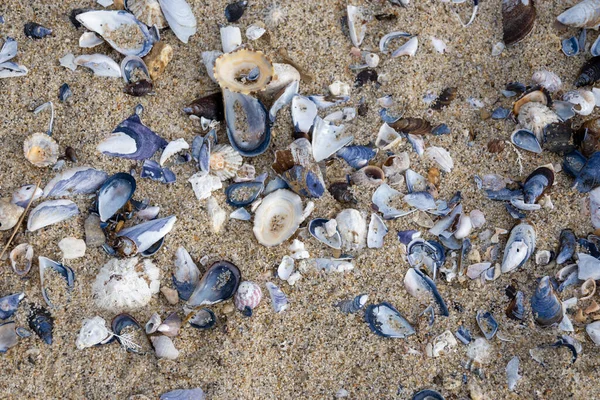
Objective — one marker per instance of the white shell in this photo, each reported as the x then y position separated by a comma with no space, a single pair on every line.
278,217
372,60
126,284
90,39
477,218
464,227
339,88
21,257
93,331
584,101
283,75
224,161
40,149
9,214
204,184
304,112
588,267
217,216
68,61
585,14
357,24
498,48
72,247
241,214
153,323
441,157
231,38
547,79
51,212
438,44
593,331
512,373
595,207
172,148
100,64
353,229
407,49
254,32
327,139
385,199
208,59
387,137
376,233
286,267
535,117
180,17
164,347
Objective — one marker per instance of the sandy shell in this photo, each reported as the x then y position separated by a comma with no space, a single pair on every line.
224,161
148,12
278,217
230,67
158,59
9,214
20,258
41,150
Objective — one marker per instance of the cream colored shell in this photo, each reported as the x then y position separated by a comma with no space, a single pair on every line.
230,69
41,150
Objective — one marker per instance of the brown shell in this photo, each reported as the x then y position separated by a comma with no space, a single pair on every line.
495,146
537,94
416,126
445,98
518,17
341,192
284,160
209,107
590,143
230,68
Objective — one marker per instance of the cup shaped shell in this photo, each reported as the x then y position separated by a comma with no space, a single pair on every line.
278,217
41,150
148,12
386,321
518,17
224,161
232,71
20,258
545,305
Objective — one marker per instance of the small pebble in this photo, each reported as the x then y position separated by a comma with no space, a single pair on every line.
94,236
170,294
72,247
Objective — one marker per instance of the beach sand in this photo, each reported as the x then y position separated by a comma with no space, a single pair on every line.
311,350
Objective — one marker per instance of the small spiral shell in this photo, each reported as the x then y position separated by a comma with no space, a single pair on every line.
247,297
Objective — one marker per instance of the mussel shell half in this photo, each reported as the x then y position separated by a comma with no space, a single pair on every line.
51,212
74,181
42,323
248,128
384,320
114,194
186,275
357,156
526,140
241,194
422,287
427,394
316,227
218,283
122,321
537,183
203,319
145,235
568,244
589,176
9,304
518,17
66,272
573,163
516,307
545,305
519,247
134,69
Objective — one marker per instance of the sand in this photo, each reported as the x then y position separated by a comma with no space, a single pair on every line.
311,350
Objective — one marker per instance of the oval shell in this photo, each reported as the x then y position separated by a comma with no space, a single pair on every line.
247,297
278,217
41,150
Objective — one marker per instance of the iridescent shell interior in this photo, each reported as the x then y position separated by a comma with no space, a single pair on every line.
244,71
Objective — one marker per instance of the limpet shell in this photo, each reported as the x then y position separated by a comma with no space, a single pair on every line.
231,71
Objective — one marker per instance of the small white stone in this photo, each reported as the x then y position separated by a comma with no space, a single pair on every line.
286,267
498,48
301,255
296,246
338,88
254,32
216,214
439,45
310,206
295,277
542,257
72,248
372,60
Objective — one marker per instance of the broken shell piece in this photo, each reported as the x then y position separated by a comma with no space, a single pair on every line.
279,300
180,18
41,150
304,112
73,181
148,12
353,229
441,157
20,258
385,198
9,214
327,139
255,32
172,148
51,212
318,229
286,267
357,24
186,275
24,195
278,217
100,64
139,238
588,289
583,101
89,40
438,44
72,247
93,332
153,323
47,266
584,14
244,71
376,233
231,38
158,59
519,247
407,49
216,214
548,80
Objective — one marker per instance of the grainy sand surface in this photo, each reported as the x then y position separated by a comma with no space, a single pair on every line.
311,350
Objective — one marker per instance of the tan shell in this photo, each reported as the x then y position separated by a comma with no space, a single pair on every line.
534,95
41,150
158,59
224,161
148,12
9,214
230,68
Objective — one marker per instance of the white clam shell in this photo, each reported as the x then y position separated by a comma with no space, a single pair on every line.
51,212
93,331
277,217
164,347
357,24
180,17
376,233
231,38
353,229
583,101
304,112
100,64
90,39
327,139
173,148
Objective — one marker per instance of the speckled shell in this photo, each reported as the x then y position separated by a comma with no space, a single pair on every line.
247,297
41,150
224,161
518,17
230,66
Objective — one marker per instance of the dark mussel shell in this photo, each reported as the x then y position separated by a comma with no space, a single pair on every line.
74,13
203,319
241,194
36,31
341,192
248,127
386,321
64,92
526,140
144,237
42,323
590,141
304,181
218,283
573,163
514,211
568,245
235,11
545,305
139,88
9,304
114,194
589,72
350,306
518,18
589,176
209,107
427,394
558,138
516,308
445,98
487,323
122,321
356,156
414,126
365,76
537,183
441,129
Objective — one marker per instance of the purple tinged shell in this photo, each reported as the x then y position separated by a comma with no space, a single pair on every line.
487,323
8,336
42,323
405,237
218,283
114,194
241,194
249,113
279,300
589,176
247,297
24,195
186,275
144,235
51,212
74,181
132,140
151,169
546,307
203,319
386,321
9,304
568,244
356,156
305,181
184,394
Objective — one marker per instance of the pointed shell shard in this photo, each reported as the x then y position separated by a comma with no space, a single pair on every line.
357,24
100,64
377,232
146,234
279,300
186,275
51,212
304,112
132,140
327,139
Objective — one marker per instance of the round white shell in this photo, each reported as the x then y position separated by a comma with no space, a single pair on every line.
278,217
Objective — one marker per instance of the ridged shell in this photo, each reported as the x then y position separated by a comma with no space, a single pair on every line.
41,150
231,70
585,14
415,126
224,161
589,72
148,12
545,304
247,297
518,17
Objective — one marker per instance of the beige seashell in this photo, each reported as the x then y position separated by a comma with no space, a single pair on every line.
583,101
148,12
225,161
284,74
164,347
9,214
231,68
278,217
547,79
20,258
41,150
582,15
535,117
158,59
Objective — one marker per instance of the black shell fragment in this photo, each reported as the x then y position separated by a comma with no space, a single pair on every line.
235,11
36,31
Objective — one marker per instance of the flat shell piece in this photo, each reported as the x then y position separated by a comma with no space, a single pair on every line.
51,212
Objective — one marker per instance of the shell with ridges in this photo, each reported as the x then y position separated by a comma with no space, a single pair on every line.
278,217
247,297
518,17
224,161
231,69
41,150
